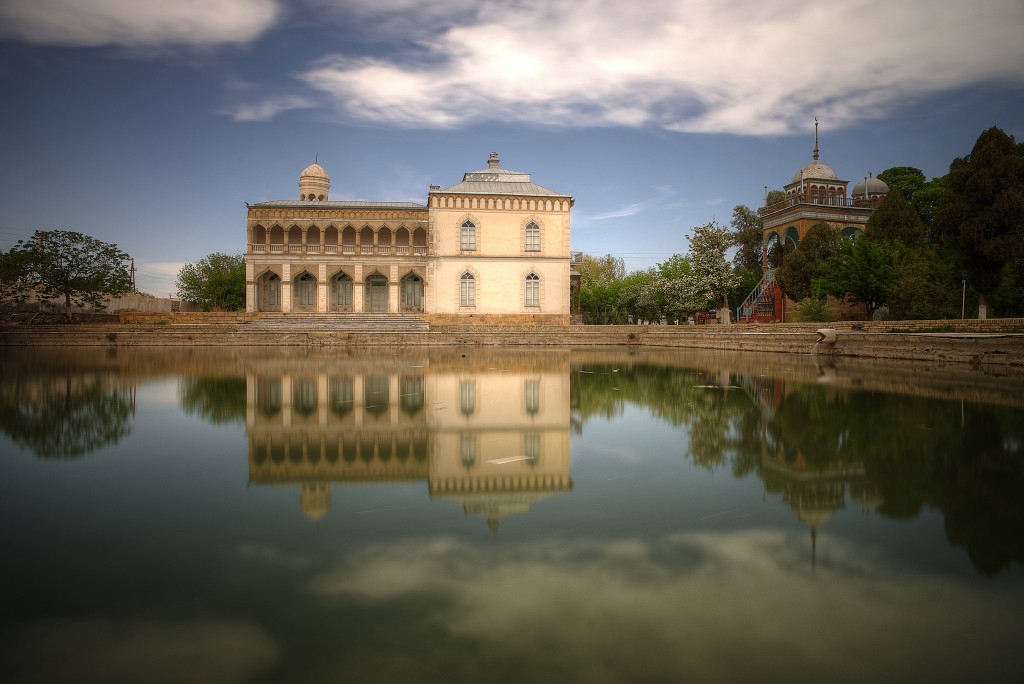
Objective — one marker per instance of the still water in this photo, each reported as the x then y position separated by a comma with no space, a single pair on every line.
470,515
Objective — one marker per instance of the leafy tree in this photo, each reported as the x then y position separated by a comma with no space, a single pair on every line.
12,278
74,267
219,401
676,266
711,277
926,284
860,272
906,180
805,263
774,197
895,220
216,281
747,235
981,213
603,269
1008,299
926,201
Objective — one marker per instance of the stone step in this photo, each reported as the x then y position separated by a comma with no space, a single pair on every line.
338,322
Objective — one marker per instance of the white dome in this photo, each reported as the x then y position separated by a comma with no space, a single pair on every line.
815,170
875,186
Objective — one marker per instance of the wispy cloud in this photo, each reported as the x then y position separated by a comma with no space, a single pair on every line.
748,67
267,109
91,23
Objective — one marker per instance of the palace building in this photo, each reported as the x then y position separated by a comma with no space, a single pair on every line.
493,248
815,195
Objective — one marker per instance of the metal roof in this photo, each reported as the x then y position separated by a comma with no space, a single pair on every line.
499,187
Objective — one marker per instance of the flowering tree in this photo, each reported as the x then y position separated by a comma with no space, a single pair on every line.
710,276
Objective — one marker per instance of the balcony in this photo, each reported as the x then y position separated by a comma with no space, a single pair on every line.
349,250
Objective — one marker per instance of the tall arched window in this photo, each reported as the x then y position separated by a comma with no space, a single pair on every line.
412,293
531,239
467,236
341,291
532,291
274,290
305,290
467,290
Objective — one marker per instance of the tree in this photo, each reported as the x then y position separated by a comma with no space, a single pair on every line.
74,267
216,281
896,220
774,197
981,215
926,201
12,278
603,269
859,272
748,236
711,277
805,263
906,180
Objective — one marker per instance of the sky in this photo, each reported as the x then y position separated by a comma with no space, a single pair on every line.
150,125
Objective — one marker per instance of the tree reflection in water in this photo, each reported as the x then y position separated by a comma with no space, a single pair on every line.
897,453
65,416
216,400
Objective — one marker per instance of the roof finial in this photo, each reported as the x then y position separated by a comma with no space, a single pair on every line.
815,138
492,161
316,158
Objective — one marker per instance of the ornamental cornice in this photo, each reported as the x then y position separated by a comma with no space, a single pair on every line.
336,215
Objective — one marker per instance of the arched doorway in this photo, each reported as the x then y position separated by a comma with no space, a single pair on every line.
341,292
304,298
268,292
376,294
412,293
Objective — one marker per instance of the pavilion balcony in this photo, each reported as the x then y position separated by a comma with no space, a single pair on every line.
352,250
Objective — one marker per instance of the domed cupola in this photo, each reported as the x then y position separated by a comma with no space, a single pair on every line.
314,184
870,188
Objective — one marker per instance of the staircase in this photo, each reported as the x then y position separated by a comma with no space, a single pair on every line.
354,322
759,306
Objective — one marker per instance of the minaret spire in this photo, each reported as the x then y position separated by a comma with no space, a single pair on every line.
815,138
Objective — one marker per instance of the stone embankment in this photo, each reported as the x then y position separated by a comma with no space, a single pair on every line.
992,342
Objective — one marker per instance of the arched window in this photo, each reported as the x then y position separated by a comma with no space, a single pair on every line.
531,396
412,293
274,290
532,292
305,290
467,397
341,290
531,239
467,236
467,290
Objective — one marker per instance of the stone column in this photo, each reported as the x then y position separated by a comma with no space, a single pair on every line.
322,289
286,288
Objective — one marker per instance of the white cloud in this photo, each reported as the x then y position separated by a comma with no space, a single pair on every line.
267,109
682,606
132,23
751,67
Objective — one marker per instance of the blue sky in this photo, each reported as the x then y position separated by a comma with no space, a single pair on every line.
150,125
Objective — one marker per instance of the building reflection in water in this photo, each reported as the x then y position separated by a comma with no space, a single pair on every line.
494,439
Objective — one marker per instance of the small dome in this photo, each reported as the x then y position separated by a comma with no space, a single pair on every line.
315,499
314,170
875,186
815,170
314,184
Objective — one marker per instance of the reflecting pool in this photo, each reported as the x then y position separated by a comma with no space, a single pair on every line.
497,515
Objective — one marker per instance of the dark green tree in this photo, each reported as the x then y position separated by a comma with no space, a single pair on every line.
216,281
926,286
12,278
926,201
895,220
860,272
76,268
804,264
906,180
747,235
981,215
217,400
